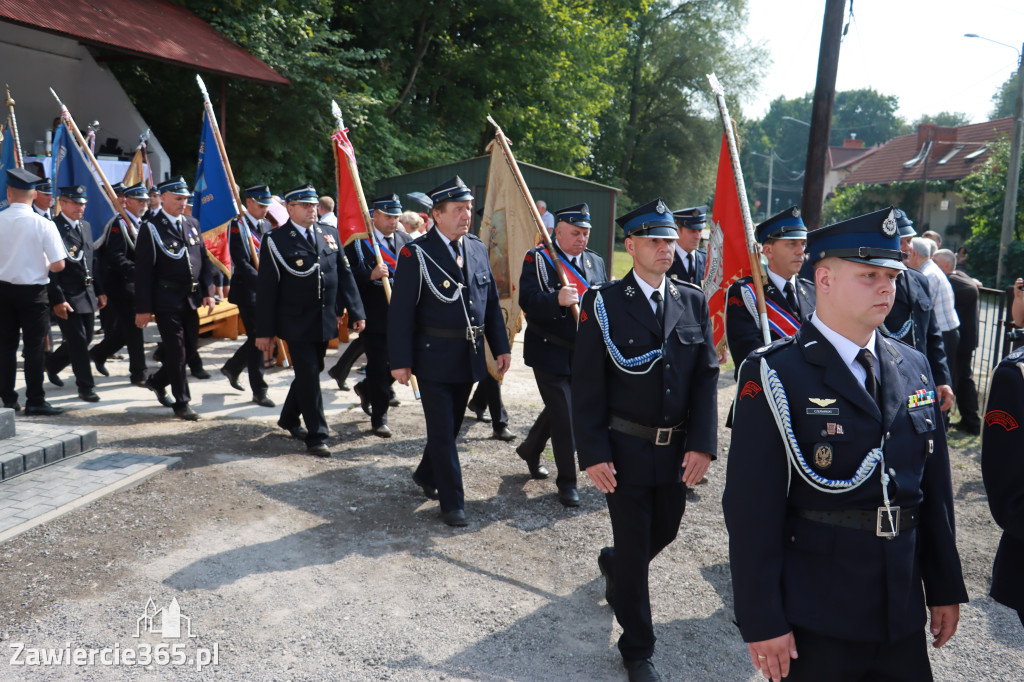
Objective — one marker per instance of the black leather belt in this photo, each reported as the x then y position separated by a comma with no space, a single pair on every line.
180,286
659,436
553,339
877,520
466,333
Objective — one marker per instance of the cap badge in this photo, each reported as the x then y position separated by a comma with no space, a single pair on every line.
661,208
796,212
889,225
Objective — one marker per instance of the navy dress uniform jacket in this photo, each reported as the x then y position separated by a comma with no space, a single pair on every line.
305,308
678,269
838,582
680,388
742,330
926,328
243,270
69,285
414,306
118,259
163,283
551,328
363,261
1002,467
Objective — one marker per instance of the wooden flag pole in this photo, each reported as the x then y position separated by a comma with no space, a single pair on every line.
741,191
227,165
545,237
354,173
18,160
111,196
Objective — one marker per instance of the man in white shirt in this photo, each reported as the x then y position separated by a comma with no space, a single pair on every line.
325,211
545,215
32,250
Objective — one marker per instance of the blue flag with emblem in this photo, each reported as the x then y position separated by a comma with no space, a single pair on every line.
71,167
7,161
214,202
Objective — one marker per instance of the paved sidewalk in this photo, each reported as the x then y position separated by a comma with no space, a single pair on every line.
51,491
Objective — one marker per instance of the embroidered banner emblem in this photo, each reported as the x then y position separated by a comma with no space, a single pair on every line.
750,389
1001,418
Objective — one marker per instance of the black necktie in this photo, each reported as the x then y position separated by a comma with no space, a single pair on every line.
575,264
867,361
659,307
390,241
791,298
456,252
312,237
181,228
690,268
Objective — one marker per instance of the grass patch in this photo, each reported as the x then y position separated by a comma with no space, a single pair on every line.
621,262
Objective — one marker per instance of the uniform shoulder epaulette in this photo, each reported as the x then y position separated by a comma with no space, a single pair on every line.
741,281
676,280
473,236
1016,356
774,346
608,284
806,281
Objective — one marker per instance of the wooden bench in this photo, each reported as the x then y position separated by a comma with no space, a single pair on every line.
223,321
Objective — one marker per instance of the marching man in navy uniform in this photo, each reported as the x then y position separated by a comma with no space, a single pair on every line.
250,228
375,392
549,339
44,199
304,288
444,304
76,295
118,259
644,405
838,497
173,277
690,261
1002,467
789,299
912,319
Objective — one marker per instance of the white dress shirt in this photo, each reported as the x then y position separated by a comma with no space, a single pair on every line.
847,349
31,243
648,290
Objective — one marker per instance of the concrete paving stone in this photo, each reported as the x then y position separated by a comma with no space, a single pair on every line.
90,438
36,510
34,459
11,464
53,452
6,422
72,445
61,500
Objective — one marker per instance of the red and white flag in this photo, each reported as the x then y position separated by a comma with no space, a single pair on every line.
351,225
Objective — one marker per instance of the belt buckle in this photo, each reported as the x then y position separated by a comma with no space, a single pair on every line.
882,528
663,436
195,287
471,334
88,281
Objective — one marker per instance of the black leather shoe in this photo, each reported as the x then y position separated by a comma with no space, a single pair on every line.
161,393
482,416
200,374
364,399
967,428
428,490
187,413
100,364
262,400
340,380
394,402
641,670
43,409
139,381
54,379
569,497
504,434
295,431
383,431
89,396
455,517
532,462
232,379
604,563
16,406
319,450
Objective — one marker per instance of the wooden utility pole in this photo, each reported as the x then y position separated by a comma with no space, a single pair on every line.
821,113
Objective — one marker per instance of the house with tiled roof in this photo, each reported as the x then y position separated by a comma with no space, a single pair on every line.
843,160
933,153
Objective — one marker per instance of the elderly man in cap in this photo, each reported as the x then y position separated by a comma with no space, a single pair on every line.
117,256
550,336
375,392
789,300
76,294
245,239
32,250
644,406
838,497
444,304
173,277
44,200
304,287
690,261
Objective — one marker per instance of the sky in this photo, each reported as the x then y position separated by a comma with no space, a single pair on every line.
913,49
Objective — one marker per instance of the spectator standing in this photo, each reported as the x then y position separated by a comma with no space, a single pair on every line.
547,217
965,300
325,211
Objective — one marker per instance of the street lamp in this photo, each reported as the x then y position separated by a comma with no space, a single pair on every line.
1013,172
796,120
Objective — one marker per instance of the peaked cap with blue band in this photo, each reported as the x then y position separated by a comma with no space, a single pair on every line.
785,225
19,178
118,188
389,204
578,215
452,190
176,186
45,187
653,219
136,191
303,194
260,194
870,239
691,218
74,193
904,224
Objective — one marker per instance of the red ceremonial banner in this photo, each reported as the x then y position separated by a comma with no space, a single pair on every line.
350,214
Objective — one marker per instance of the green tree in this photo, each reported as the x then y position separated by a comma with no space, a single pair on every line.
984,192
944,118
1004,98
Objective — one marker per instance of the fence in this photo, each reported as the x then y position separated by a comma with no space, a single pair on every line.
994,342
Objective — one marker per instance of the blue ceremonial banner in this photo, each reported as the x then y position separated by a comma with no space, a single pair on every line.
7,161
214,202
71,167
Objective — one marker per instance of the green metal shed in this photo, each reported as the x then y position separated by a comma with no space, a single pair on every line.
557,189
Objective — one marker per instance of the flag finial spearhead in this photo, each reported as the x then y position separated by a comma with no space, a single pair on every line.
336,112
202,87
716,86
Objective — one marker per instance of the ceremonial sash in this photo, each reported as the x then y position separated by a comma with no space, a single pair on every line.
574,276
779,320
386,254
